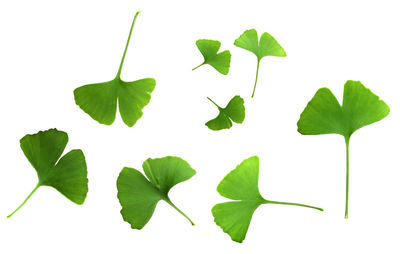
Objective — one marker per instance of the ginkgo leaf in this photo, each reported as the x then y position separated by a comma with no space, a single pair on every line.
139,196
100,100
68,175
324,115
267,46
234,111
241,184
209,49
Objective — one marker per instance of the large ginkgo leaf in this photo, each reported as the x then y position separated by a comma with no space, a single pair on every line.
67,174
241,184
139,196
323,115
100,100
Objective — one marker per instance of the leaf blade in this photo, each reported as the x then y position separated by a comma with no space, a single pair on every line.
234,217
240,184
234,111
98,100
322,115
209,50
137,196
267,46
168,171
221,62
133,97
69,176
362,107
270,47
43,149
248,40
220,122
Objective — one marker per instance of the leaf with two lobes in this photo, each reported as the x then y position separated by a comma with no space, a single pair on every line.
139,196
100,100
267,46
234,111
241,185
209,49
324,115
68,175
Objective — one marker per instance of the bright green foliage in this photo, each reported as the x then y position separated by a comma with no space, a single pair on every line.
139,196
324,114
234,111
209,50
68,175
267,46
100,100
241,184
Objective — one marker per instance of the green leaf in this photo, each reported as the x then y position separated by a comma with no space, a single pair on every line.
209,50
241,184
267,46
68,175
324,115
234,111
100,100
139,196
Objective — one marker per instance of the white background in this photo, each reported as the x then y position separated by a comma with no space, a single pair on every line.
47,49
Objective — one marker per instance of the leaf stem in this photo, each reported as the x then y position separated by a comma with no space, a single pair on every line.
176,208
23,203
255,83
295,204
346,213
213,102
197,66
127,44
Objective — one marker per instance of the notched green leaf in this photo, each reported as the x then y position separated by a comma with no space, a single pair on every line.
209,49
100,100
267,46
68,175
324,115
241,184
234,111
139,195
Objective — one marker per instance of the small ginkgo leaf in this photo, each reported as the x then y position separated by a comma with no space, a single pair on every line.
100,100
267,46
234,111
324,115
68,175
241,184
209,50
139,196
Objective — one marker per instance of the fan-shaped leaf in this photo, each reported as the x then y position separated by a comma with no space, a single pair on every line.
267,46
139,196
241,184
324,115
68,175
234,111
209,50
100,100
